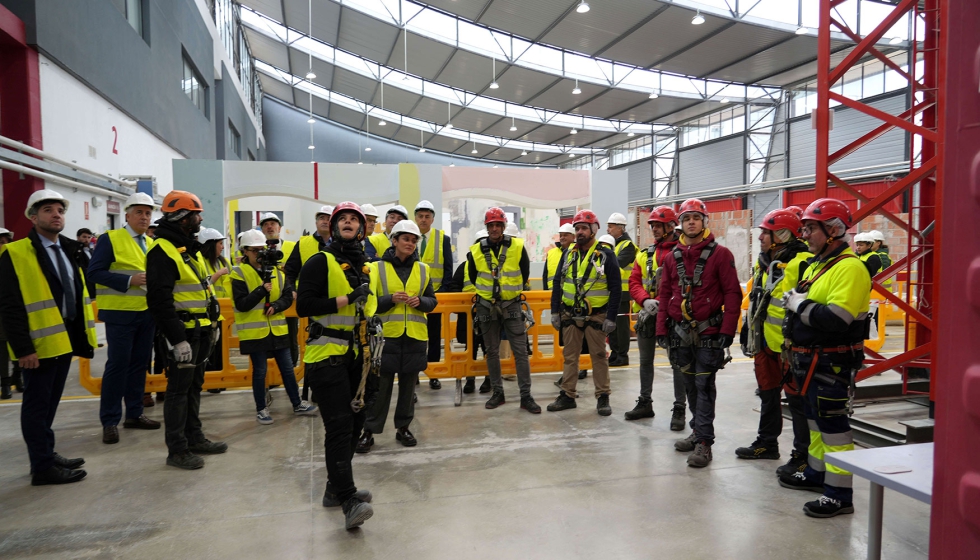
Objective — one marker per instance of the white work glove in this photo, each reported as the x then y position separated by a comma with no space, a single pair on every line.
792,300
556,321
651,305
183,353
608,326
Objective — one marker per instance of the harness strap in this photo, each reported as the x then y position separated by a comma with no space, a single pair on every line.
495,269
687,285
804,285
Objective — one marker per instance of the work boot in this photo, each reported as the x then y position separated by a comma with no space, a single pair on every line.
356,512
5,392
583,373
330,499
799,481
496,399
405,437
434,384
602,405
797,463
677,419
148,401
827,507
364,444
619,361
643,409
470,385
686,445
758,450
485,387
528,404
208,446
185,460
701,456
563,402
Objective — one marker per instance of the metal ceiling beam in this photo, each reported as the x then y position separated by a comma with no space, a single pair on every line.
750,55
800,65
684,49
632,30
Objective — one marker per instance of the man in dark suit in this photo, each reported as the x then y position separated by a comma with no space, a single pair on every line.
48,317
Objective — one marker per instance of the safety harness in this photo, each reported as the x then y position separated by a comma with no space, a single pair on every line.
581,308
645,324
688,332
484,310
212,313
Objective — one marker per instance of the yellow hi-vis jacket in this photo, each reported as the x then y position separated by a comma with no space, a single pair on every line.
343,320
511,280
190,294
624,273
596,289
402,318
130,260
433,256
48,331
254,324
772,328
380,242
551,266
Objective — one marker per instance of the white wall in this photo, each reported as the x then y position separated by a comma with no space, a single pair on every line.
77,123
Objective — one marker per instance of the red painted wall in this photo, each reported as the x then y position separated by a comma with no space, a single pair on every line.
803,197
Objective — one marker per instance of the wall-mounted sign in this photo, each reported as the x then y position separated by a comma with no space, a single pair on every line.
112,207
86,209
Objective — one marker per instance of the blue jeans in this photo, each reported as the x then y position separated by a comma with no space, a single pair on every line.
259,366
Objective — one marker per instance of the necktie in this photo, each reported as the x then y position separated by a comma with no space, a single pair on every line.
422,252
66,284
141,243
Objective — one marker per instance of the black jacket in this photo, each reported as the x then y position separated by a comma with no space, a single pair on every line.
14,315
628,254
404,353
246,301
161,277
311,293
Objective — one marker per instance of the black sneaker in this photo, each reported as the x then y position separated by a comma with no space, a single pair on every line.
758,450
797,463
799,481
356,512
330,499
827,507
528,404
496,399
208,446
686,445
563,402
677,419
470,385
643,409
583,373
485,387
602,405
185,460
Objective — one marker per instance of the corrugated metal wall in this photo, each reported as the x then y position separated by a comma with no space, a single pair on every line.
713,165
640,180
849,125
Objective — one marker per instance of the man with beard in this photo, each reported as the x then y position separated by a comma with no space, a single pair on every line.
625,250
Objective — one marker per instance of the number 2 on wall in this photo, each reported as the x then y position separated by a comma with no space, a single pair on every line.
115,138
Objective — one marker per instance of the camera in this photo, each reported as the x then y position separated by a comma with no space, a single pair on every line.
271,255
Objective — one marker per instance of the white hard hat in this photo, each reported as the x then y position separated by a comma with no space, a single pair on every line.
482,234
399,209
44,195
425,205
567,228
139,199
369,210
405,226
5,231
209,234
606,238
327,209
252,238
617,218
269,216
863,238
511,229
876,235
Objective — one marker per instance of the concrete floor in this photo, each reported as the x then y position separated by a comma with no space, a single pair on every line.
481,484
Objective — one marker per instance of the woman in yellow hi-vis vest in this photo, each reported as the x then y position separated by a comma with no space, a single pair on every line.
405,295
262,330
334,292
48,317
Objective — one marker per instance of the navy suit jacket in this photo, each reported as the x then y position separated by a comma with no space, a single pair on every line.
98,272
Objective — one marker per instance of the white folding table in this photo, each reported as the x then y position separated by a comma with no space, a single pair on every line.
880,466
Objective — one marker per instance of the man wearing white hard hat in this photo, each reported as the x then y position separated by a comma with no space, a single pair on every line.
46,311
371,220
271,225
566,235
862,247
625,250
118,269
435,250
380,240
6,379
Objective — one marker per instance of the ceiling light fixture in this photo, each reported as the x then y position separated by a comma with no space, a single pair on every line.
493,77
495,166
473,151
311,147
368,149
654,95
360,163
571,154
573,131
310,75
630,134
452,165
576,91
582,7
801,30
310,120
382,122
894,40
698,19
513,125
523,152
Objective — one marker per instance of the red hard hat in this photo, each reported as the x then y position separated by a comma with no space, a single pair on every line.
494,215
585,216
693,205
824,209
662,214
782,219
796,210
346,207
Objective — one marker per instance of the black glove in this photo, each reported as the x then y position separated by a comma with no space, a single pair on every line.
662,342
727,340
360,294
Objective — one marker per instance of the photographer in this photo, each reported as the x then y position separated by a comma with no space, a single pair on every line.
261,294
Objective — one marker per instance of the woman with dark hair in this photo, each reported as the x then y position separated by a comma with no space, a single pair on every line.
216,265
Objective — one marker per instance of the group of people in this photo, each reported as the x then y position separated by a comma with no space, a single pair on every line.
805,327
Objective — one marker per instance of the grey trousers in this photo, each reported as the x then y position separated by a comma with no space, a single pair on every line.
518,345
648,347
377,414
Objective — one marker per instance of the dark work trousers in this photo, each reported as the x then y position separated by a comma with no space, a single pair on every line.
619,340
648,347
514,327
801,429
700,366
129,346
292,323
182,407
377,413
768,375
161,355
42,393
434,324
334,381
825,405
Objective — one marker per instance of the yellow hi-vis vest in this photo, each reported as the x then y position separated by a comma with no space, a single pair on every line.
381,242
287,249
573,273
222,289
552,260
433,256
511,280
624,273
344,319
190,294
468,286
47,326
772,328
649,273
254,324
308,246
402,318
130,260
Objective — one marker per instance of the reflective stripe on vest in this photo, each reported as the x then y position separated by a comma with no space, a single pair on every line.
343,320
594,287
402,318
624,273
44,319
254,324
128,259
433,257
511,280
189,294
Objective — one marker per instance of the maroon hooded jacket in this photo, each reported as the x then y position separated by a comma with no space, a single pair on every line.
719,287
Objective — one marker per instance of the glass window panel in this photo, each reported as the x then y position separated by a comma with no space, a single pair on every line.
894,80
134,15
